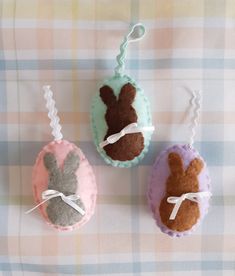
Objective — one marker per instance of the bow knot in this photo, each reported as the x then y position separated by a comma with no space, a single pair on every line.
70,200
122,132
195,197
131,128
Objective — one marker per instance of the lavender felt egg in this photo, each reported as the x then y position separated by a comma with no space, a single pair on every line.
179,190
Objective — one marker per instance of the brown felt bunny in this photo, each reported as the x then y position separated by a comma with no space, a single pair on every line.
180,182
119,114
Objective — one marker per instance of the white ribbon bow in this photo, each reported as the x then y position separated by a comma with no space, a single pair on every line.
131,128
49,194
190,196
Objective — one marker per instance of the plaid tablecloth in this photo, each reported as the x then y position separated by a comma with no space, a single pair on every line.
72,45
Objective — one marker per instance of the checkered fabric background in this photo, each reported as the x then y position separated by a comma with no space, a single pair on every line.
72,45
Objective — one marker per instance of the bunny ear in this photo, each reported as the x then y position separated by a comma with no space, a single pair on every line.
50,162
107,95
127,94
71,163
175,163
195,167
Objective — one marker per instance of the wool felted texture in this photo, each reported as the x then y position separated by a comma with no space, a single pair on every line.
180,182
63,167
119,114
112,118
64,181
178,170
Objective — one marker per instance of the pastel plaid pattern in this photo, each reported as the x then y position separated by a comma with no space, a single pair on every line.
71,45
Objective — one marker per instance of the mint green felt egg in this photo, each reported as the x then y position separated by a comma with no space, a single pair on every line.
100,127
120,114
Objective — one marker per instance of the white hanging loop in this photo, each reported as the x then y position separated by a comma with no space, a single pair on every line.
136,33
52,113
196,102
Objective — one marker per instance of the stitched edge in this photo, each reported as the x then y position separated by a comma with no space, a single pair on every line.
107,159
93,196
151,205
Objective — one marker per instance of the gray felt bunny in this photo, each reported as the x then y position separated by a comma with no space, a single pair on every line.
65,181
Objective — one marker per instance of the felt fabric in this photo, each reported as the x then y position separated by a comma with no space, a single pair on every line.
72,44
64,181
61,214
179,182
99,124
119,114
63,157
187,162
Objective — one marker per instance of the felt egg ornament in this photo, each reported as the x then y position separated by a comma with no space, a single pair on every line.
63,181
179,188
120,116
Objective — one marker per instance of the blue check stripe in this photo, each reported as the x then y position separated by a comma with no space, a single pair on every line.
112,268
215,153
146,64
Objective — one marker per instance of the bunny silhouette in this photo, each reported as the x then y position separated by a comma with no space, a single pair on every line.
179,182
64,181
119,114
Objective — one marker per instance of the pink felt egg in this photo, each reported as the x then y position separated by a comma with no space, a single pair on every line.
85,180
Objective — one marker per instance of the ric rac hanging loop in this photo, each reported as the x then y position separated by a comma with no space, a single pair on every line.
196,102
136,33
64,185
179,188
120,115
52,113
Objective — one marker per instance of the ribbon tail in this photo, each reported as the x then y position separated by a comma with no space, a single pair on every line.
35,207
103,144
74,206
175,210
148,128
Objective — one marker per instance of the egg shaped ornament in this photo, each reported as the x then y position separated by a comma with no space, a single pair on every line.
64,184
179,187
120,116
